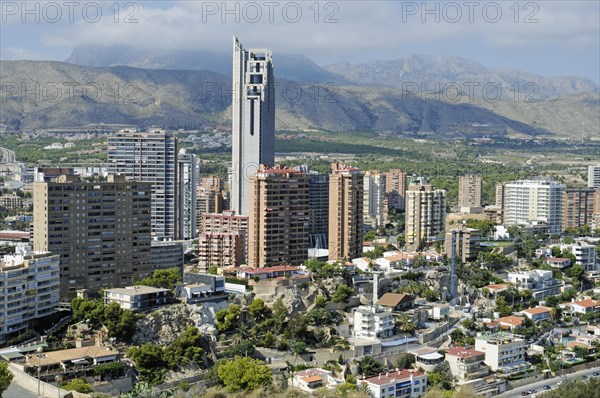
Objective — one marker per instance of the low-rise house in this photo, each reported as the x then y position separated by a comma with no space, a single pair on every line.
504,352
363,263
496,288
396,301
400,383
558,262
537,313
70,363
427,358
581,307
263,273
539,282
137,298
390,262
506,322
313,378
466,363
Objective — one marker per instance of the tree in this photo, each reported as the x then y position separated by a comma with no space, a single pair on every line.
78,385
342,293
163,278
258,310
186,348
320,301
228,318
576,389
405,361
5,377
369,367
149,362
405,324
243,373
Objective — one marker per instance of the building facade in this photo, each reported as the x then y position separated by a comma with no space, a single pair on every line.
29,285
210,197
594,176
100,230
278,219
165,255
252,120
150,157
318,199
136,298
467,243
503,351
221,249
400,383
11,202
470,187
187,186
345,212
374,212
425,213
534,201
395,187
577,207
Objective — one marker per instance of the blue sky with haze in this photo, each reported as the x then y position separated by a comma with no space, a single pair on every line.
550,38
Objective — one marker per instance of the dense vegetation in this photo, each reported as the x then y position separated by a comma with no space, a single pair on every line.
120,323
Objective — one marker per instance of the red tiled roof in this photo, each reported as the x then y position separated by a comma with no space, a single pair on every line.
278,268
463,352
587,303
537,310
511,320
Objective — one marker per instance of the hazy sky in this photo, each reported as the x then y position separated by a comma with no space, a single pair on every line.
546,37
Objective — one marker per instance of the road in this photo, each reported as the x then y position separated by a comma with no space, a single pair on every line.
539,385
16,391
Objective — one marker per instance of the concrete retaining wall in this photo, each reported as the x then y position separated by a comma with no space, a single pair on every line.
30,383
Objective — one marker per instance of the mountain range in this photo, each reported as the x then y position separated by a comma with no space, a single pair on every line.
419,95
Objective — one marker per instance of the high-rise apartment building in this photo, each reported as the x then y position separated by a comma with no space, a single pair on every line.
252,120
278,219
346,195
319,207
374,212
210,197
594,176
28,289
223,240
395,187
101,230
500,194
577,207
150,157
425,213
470,187
466,242
187,185
534,201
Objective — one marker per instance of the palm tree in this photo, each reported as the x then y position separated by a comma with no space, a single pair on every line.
405,324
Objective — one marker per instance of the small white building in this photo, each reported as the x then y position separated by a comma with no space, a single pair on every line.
537,313
363,263
401,383
136,298
585,254
439,311
373,322
503,351
310,379
581,307
540,282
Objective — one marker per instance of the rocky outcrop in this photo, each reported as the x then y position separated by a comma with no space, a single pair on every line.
166,323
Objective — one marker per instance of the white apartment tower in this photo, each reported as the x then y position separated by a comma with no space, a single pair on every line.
150,157
252,120
594,176
374,200
425,213
535,200
188,183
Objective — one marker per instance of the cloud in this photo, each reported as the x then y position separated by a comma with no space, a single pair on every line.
338,30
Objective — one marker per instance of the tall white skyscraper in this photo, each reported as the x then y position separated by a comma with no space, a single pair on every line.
252,120
150,157
535,200
188,183
373,202
594,176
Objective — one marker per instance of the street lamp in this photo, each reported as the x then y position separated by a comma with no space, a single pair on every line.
39,356
59,379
